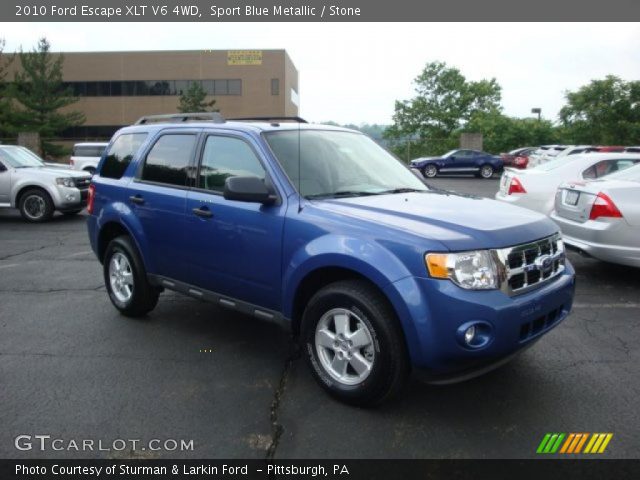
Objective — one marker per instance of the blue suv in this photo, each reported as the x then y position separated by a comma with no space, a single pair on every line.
319,227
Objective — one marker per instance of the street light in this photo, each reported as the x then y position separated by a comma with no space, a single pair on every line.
538,111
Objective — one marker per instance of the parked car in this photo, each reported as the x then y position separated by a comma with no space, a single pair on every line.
36,189
521,162
545,153
85,156
518,158
601,218
459,161
322,229
535,188
607,149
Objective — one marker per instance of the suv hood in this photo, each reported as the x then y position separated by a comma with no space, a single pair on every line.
50,172
459,222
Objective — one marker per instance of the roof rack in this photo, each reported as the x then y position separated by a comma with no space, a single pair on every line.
268,119
182,117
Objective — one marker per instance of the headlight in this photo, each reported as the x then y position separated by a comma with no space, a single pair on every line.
475,270
65,182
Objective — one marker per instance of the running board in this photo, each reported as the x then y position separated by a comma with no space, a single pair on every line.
219,299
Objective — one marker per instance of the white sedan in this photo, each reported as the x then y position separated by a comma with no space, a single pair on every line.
535,188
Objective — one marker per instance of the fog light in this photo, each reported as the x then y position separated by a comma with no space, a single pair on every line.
475,334
470,335
70,197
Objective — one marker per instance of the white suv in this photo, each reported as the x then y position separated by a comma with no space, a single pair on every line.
86,156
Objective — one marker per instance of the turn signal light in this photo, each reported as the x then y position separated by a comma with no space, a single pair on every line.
604,207
515,186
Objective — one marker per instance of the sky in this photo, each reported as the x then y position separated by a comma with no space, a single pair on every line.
354,72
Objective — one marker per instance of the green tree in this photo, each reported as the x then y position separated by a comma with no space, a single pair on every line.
603,112
42,98
5,97
445,101
193,100
501,133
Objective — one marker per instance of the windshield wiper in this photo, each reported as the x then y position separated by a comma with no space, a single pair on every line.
401,190
342,194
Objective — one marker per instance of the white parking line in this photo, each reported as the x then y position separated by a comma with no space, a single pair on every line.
9,265
606,305
78,254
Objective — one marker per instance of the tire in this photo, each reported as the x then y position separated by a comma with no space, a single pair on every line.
486,171
371,361
90,170
430,171
36,206
126,280
70,213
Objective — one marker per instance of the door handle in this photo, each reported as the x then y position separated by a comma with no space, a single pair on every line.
137,199
203,212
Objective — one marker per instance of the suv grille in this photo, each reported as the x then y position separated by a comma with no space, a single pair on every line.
529,265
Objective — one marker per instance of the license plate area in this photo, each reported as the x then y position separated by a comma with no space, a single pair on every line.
504,184
571,197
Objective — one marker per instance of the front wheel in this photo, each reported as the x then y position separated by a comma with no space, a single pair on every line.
354,344
126,279
36,206
430,171
486,171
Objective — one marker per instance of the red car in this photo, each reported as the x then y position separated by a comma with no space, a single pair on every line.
518,158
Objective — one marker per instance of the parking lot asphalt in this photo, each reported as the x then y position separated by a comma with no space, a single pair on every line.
73,368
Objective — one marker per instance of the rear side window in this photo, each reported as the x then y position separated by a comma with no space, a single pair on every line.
168,160
120,154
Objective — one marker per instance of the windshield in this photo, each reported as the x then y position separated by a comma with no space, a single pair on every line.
631,174
449,153
20,157
334,163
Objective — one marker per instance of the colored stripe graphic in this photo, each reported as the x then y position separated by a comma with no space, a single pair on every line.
567,443
598,443
550,443
573,443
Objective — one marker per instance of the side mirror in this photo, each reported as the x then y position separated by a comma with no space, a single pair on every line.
247,189
2,168
452,157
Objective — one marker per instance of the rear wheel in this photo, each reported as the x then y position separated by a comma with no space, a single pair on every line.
486,171
36,205
353,343
90,170
430,171
126,279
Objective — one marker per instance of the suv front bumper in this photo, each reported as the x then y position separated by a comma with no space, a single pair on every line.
433,312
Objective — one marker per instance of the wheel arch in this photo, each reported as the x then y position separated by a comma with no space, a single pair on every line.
326,261
22,189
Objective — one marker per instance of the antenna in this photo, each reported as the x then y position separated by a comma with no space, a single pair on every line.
299,170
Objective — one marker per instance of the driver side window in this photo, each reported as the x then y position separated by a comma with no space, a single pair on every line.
225,157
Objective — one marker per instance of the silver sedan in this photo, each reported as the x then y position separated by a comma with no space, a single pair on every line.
602,218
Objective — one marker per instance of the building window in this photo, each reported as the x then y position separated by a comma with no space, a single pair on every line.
275,86
137,88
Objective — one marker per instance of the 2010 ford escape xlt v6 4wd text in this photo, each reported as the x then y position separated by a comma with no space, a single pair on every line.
377,273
